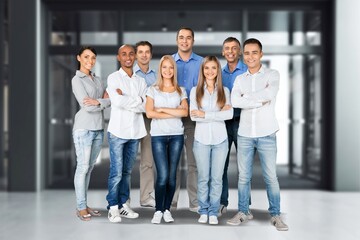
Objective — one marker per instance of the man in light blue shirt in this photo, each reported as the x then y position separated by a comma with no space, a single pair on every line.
233,68
188,66
143,51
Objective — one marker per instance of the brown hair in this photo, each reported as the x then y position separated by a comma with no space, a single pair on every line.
221,99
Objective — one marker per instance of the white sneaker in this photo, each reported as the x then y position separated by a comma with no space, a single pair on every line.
114,215
167,216
203,218
157,217
127,212
213,220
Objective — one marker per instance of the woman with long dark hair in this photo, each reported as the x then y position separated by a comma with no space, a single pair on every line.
88,130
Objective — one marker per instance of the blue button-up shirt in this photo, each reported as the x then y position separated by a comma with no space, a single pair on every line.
228,79
149,76
188,71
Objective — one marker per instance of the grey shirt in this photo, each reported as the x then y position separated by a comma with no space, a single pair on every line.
89,117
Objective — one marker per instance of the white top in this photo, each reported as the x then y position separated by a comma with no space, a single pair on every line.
257,120
126,119
211,129
166,126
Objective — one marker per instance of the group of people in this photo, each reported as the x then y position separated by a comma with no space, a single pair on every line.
189,101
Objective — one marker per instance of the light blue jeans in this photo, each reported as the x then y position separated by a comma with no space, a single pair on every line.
210,162
266,147
87,146
122,158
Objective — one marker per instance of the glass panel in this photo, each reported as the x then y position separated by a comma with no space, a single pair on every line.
62,108
153,21
169,38
314,118
297,92
286,28
94,27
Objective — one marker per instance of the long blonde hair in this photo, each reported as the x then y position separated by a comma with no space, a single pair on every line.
221,99
160,81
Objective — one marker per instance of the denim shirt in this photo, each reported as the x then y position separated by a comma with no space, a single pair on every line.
228,79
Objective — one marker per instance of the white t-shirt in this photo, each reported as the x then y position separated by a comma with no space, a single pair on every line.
168,126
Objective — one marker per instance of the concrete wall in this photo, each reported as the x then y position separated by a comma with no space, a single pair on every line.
347,95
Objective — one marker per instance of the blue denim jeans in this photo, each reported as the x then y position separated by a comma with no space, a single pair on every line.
210,161
232,127
266,147
87,147
166,152
122,158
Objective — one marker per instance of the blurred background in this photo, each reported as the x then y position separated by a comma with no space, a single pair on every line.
312,43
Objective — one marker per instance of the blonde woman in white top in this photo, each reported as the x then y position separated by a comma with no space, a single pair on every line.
210,107
166,104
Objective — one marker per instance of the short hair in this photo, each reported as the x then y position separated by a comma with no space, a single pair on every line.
231,39
185,28
253,41
144,43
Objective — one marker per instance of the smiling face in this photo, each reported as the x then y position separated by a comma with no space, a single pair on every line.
185,40
252,57
143,55
231,51
126,56
167,69
87,60
210,70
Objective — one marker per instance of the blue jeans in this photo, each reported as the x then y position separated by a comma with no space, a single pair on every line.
166,152
122,158
266,147
87,147
210,161
232,127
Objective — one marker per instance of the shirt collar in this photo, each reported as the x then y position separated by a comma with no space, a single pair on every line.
137,69
177,57
239,66
261,70
124,74
80,74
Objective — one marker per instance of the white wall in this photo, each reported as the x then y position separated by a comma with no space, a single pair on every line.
347,94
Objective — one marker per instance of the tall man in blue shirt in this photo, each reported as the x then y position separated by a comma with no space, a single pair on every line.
143,51
233,68
188,66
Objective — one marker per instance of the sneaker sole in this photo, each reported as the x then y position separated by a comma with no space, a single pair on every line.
115,221
130,217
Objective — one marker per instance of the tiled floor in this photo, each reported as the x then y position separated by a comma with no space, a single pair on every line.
310,214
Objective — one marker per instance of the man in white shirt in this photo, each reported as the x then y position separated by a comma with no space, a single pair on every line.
126,127
255,93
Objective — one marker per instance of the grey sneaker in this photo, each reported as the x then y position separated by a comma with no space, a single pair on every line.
150,202
222,210
278,223
239,218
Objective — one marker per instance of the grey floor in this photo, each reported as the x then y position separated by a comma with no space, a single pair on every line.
50,214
